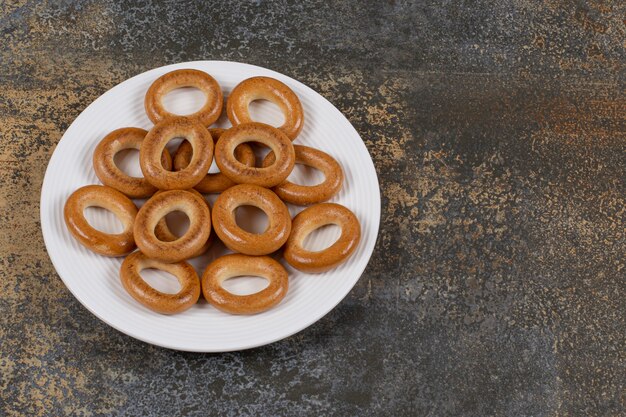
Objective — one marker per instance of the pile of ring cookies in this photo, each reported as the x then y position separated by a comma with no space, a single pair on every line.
177,183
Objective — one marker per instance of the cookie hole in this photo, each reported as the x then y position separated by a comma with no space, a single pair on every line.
245,284
161,280
306,175
177,222
103,220
127,161
251,219
260,152
322,238
173,144
265,111
184,101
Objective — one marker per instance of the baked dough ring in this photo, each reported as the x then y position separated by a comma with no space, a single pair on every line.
209,112
234,265
108,198
109,173
156,140
163,232
239,240
152,298
303,195
255,132
218,182
266,88
158,207
313,218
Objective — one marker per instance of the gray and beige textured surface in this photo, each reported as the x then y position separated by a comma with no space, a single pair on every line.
498,284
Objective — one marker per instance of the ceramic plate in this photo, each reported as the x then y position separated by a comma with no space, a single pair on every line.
94,280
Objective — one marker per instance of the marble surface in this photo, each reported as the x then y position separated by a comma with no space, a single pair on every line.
498,284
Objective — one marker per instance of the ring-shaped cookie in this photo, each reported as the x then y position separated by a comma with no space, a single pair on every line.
255,132
152,298
209,112
163,232
304,195
313,218
108,198
156,140
266,88
110,174
234,265
158,207
218,182
239,240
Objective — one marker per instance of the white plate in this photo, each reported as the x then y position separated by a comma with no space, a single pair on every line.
94,279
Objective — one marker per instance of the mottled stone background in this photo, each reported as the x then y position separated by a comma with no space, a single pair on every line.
497,286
